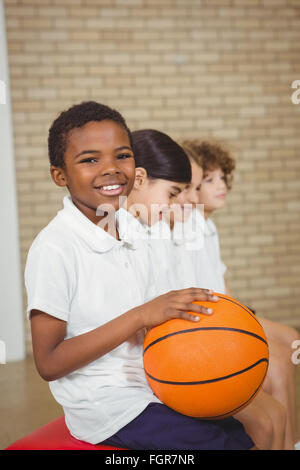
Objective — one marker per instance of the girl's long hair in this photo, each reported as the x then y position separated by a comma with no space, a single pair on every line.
160,156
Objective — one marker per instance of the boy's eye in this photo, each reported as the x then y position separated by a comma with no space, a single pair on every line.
121,156
89,160
173,195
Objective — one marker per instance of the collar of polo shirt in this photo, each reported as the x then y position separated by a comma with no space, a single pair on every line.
130,227
97,238
209,228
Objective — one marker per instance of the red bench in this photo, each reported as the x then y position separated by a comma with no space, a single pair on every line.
54,436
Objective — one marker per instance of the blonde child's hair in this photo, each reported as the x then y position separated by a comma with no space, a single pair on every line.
211,155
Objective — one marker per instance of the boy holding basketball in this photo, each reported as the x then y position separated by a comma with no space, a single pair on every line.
87,341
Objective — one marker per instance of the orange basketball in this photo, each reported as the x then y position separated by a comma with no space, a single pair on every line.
209,369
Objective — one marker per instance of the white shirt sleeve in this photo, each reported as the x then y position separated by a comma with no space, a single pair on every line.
221,265
49,280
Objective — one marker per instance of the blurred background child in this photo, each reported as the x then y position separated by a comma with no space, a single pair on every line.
218,166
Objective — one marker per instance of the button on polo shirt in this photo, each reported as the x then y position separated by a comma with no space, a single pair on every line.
77,272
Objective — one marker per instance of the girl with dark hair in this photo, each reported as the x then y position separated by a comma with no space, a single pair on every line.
162,172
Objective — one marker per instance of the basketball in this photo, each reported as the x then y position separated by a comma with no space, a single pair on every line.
210,369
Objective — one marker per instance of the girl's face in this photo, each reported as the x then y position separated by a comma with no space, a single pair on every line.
213,190
189,197
151,199
99,167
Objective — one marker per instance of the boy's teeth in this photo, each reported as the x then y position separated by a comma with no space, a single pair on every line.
114,186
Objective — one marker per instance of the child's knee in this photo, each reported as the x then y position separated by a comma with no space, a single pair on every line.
281,365
291,335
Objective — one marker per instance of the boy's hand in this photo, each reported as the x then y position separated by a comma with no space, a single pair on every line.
176,304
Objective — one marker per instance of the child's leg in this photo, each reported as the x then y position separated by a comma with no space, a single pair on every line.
160,428
258,424
280,332
280,381
278,414
264,420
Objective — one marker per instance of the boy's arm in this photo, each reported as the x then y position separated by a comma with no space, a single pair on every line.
56,356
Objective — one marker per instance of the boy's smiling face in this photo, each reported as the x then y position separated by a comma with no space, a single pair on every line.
99,166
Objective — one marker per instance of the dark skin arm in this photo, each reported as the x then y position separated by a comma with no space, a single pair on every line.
56,356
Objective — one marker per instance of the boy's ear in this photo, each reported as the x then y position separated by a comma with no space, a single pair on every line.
58,176
140,177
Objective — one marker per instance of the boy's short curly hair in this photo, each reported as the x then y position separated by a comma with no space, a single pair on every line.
211,155
77,116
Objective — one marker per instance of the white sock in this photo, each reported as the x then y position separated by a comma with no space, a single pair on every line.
297,445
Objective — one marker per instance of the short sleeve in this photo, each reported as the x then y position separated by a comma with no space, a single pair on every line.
48,280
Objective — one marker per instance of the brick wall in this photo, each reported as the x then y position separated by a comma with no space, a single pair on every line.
219,69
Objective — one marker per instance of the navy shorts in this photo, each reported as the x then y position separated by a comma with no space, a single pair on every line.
161,428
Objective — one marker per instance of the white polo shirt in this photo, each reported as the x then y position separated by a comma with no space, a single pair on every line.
77,272
159,244
171,252
212,247
198,251
187,245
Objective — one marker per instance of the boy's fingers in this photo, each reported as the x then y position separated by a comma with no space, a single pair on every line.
188,316
178,312
191,307
201,297
207,297
193,293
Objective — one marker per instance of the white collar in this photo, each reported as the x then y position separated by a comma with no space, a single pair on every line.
129,226
209,228
134,228
93,235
